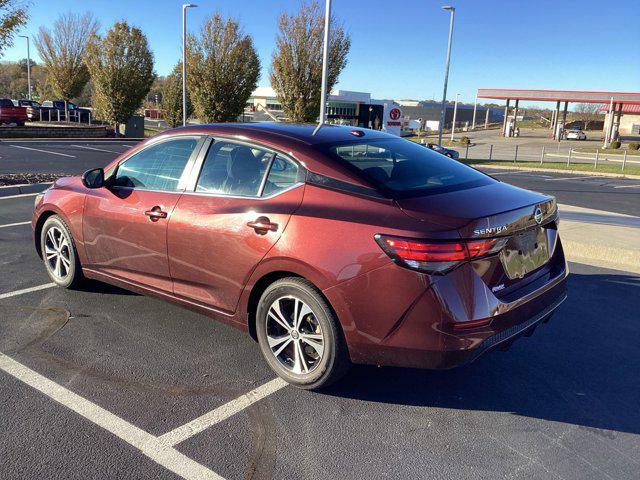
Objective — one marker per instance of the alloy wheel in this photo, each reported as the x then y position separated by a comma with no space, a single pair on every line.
294,335
57,253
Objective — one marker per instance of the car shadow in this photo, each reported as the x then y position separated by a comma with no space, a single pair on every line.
95,286
582,368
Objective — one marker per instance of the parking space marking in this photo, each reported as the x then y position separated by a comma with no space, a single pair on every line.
626,186
96,149
148,444
20,195
14,224
222,413
15,293
580,177
44,151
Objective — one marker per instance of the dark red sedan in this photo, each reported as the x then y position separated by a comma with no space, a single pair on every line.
350,246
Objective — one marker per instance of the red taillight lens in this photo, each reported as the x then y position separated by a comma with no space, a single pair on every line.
436,257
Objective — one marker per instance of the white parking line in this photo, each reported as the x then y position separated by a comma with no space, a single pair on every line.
96,149
220,414
579,177
20,195
148,444
14,224
626,186
15,293
44,151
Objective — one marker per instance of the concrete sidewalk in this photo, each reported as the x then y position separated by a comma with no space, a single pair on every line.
599,238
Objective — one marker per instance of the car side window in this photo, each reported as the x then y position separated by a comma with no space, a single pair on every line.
158,167
233,169
283,174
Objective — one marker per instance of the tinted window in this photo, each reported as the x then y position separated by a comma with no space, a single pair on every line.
283,174
158,167
5,102
404,168
233,169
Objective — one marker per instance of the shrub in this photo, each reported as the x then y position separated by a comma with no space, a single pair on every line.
634,146
615,144
464,140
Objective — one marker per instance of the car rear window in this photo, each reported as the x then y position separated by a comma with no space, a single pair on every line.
5,102
402,168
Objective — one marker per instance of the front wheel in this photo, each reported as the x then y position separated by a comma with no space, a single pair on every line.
59,253
299,334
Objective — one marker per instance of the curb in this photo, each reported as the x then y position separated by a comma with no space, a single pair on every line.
556,170
11,190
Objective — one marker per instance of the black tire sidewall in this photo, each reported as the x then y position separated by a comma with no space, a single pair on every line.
325,317
72,278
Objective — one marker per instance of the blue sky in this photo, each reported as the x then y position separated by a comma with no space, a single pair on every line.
398,47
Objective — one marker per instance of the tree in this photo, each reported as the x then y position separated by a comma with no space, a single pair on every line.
587,113
223,68
13,15
296,68
62,52
121,68
172,98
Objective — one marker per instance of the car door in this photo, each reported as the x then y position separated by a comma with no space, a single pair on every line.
125,224
240,201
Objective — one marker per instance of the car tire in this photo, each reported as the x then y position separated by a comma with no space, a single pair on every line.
59,253
316,355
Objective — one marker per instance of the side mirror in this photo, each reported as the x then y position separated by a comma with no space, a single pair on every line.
93,178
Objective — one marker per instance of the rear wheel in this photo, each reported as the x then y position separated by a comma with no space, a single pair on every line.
299,334
59,253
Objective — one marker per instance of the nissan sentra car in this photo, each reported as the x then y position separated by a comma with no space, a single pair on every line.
350,246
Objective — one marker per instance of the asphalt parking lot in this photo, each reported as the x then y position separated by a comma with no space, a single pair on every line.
104,383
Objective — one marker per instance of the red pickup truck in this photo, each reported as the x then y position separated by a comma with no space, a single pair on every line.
9,113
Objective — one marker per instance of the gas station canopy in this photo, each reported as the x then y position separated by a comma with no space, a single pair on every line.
559,95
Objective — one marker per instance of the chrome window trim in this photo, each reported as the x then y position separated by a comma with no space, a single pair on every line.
197,168
188,167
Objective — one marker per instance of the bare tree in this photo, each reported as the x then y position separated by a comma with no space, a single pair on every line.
13,15
223,70
587,113
296,68
121,69
62,52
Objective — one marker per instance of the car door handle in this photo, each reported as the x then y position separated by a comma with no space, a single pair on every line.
155,214
262,225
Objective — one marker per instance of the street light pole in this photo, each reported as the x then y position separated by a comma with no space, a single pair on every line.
28,65
455,112
184,60
452,10
325,65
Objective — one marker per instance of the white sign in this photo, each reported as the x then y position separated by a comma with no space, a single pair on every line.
392,119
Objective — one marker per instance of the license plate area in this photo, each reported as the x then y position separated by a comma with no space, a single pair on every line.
525,252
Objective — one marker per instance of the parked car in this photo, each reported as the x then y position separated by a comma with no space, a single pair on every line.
9,113
33,108
325,256
448,152
52,108
576,135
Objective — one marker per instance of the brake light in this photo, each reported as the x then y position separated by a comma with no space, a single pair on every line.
436,257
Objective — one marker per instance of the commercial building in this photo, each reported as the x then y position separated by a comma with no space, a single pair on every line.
629,119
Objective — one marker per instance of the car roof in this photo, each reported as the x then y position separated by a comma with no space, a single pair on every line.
302,132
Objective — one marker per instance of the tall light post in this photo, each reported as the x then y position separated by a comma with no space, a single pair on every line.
28,65
452,11
184,60
455,112
325,65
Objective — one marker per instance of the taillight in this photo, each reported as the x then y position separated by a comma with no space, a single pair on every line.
436,257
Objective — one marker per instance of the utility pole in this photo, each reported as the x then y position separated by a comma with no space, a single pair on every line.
455,112
452,11
325,66
475,108
28,66
184,60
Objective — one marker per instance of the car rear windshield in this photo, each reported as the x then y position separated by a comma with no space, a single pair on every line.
401,168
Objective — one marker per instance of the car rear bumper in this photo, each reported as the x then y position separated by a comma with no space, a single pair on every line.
437,329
